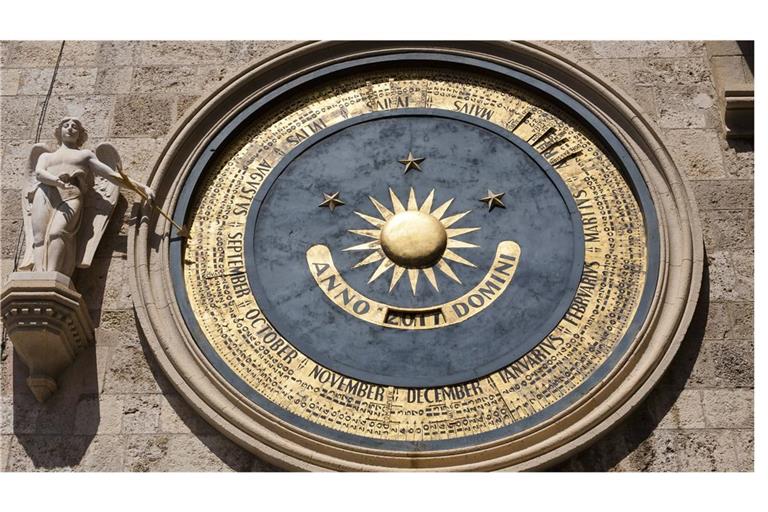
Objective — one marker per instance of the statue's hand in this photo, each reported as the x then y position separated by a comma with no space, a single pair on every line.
149,193
62,184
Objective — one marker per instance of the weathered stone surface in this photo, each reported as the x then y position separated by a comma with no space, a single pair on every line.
706,450
99,415
5,52
739,157
731,275
105,284
142,116
242,52
5,446
686,412
35,81
117,327
11,223
697,153
617,71
184,452
723,364
641,49
723,194
47,452
6,415
169,79
180,52
745,450
77,80
729,320
22,110
658,452
141,414
80,53
130,373
10,81
30,54
138,156
184,105
114,80
692,71
687,107
210,77
6,372
646,99
95,111
178,417
728,229
729,408
117,53
104,453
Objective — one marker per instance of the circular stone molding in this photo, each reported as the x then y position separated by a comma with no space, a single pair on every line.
459,353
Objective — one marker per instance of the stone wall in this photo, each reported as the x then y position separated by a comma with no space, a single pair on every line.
117,412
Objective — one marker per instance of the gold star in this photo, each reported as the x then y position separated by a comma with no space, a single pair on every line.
331,201
411,163
493,200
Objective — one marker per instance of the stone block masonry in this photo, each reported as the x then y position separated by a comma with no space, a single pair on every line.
115,410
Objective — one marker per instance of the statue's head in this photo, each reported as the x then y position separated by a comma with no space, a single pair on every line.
71,130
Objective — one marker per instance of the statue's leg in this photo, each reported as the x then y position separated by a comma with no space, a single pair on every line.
62,245
40,216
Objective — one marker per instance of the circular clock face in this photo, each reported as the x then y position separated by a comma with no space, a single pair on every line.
414,253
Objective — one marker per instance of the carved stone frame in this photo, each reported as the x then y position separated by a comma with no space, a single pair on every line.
622,390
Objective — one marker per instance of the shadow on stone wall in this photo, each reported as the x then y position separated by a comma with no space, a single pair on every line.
625,441
57,433
228,452
92,282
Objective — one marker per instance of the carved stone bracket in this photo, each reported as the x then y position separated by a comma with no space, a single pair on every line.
48,323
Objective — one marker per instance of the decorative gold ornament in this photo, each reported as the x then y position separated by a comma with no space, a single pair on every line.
331,201
493,200
411,163
412,238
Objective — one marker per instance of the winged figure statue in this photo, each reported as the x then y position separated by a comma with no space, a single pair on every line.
69,203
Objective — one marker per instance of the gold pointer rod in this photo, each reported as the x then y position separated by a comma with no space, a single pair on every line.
182,230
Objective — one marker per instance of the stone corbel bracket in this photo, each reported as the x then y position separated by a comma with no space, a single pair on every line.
48,323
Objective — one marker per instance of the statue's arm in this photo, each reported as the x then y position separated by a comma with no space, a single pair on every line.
106,172
43,176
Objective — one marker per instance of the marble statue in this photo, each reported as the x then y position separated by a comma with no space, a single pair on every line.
69,203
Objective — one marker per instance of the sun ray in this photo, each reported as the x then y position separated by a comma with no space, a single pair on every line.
449,221
371,258
450,255
412,206
383,210
447,270
413,277
396,275
371,220
459,231
370,233
430,273
396,204
385,265
440,210
458,244
367,246
428,202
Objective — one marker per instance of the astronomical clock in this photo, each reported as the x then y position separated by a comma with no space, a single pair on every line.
402,256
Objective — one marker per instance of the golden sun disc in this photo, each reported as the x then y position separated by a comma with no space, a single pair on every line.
414,239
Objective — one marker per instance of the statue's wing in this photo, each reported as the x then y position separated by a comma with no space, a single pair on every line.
27,196
99,204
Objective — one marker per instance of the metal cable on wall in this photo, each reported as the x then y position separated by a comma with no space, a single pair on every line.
40,122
